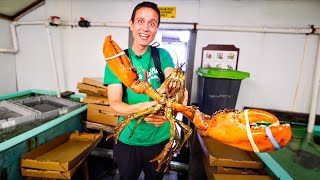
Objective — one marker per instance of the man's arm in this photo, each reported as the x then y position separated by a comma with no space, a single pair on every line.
168,71
123,109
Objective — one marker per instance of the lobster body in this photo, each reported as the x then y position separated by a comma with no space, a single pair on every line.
232,127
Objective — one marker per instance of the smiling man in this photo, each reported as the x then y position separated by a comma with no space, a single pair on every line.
133,154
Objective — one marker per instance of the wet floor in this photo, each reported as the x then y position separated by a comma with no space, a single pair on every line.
102,167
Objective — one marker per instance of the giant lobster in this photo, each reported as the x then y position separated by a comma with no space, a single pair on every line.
232,127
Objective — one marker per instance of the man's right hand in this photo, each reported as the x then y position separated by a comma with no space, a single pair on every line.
156,120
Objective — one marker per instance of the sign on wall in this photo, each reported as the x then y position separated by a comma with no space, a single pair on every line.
167,11
220,56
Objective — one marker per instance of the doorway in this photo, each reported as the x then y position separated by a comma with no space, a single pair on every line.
180,43
181,46
176,43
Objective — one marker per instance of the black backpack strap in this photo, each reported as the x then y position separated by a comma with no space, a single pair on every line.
123,86
127,52
157,63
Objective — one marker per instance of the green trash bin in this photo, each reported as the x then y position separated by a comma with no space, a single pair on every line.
218,88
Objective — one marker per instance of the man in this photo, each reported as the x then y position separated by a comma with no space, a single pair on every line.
134,154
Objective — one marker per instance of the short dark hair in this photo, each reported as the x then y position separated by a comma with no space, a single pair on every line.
146,4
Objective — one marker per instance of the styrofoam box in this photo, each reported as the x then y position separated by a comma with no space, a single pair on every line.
48,106
12,114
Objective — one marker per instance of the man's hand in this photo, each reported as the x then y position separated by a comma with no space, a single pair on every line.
156,120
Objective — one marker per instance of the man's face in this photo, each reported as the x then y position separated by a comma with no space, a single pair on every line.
145,26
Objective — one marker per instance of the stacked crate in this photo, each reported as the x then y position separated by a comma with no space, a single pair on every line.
222,161
99,110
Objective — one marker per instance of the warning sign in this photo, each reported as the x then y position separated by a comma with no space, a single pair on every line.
167,11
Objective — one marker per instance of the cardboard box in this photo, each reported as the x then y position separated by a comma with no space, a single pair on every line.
100,116
210,170
99,126
213,172
96,100
219,154
103,108
240,177
92,90
39,173
62,153
228,170
98,82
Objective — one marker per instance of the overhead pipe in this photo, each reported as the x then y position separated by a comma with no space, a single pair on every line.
193,26
31,22
285,30
109,24
14,36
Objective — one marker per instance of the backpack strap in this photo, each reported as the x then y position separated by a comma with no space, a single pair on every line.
123,86
157,63
127,52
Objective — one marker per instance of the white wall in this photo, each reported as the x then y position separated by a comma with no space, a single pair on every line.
281,65
7,61
78,51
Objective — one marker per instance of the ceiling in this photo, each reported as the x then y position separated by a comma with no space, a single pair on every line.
15,9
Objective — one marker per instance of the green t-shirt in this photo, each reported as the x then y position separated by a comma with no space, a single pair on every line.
145,134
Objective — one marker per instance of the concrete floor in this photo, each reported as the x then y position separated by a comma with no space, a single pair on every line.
102,168
171,175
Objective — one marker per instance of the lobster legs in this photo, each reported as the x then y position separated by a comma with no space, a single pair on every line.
141,114
174,145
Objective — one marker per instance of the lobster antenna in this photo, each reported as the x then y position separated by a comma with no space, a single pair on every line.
176,56
183,64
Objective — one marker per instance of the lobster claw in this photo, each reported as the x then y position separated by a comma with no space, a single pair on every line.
240,129
119,62
121,66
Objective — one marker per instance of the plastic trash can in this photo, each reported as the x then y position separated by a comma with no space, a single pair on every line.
218,88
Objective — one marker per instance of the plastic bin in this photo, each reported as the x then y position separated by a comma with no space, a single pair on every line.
48,106
12,114
218,88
